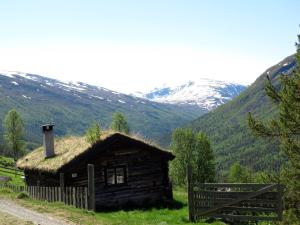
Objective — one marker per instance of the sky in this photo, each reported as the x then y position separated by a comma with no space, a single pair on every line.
131,46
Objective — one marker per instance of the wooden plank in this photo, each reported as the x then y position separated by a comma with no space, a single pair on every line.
231,185
250,209
62,185
86,197
74,196
190,194
81,198
246,217
91,187
280,202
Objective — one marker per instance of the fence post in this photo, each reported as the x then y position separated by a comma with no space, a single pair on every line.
280,203
62,187
91,188
190,193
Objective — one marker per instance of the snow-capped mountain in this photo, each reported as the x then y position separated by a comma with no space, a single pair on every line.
205,93
72,106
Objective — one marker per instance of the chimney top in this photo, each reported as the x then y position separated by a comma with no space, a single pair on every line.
47,127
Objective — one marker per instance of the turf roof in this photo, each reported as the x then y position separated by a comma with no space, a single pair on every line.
67,149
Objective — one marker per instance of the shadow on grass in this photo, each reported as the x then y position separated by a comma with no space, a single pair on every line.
146,206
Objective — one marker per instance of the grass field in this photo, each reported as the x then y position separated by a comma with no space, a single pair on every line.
6,169
152,216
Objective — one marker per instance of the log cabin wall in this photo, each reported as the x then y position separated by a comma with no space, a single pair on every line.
33,178
145,181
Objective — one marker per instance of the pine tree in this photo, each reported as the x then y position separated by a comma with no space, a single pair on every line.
14,133
286,128
93,133
119,123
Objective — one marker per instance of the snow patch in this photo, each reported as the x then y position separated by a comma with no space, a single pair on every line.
15,83
95,96
121,101
27,97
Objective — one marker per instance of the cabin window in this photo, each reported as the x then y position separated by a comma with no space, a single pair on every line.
116,175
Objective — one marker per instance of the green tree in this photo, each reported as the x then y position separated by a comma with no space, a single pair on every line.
14,133
203,159
93,133
239,174
286,128
119,123
194,148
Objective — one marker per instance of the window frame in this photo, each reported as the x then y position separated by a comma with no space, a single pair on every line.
114,168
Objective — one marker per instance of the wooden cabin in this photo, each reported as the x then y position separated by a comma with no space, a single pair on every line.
126,170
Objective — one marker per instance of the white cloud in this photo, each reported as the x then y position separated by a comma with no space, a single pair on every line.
129,68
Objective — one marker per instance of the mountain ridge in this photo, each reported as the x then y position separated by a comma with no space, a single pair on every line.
205,93
72,106
227,126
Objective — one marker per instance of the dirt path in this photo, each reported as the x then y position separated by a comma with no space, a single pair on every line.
15,210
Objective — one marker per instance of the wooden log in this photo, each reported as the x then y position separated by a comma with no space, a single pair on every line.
91,187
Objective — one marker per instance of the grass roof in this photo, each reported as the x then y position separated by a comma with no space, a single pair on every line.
67,149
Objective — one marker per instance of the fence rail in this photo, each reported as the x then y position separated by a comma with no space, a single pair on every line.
75,196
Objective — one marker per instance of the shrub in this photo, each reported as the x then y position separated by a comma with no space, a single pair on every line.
22,195
6,191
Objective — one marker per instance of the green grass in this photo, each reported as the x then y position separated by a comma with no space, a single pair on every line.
9,164
152,216
15,179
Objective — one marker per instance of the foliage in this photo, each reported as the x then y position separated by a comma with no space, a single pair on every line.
227,127
6,161
119,123
14,133
285,128
239,174
93,133
22,195
194,148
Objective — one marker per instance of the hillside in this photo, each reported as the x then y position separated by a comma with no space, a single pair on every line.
73,106
205,93
227,125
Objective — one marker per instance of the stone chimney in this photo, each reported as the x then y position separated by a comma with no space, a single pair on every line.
48,140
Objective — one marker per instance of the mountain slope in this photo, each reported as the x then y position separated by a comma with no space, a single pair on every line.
206,93
227,125
73,106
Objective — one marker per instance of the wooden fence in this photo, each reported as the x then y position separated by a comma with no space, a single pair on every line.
235,202
75,196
